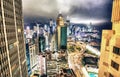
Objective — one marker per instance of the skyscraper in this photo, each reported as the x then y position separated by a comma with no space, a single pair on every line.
28,59
41,43
110,48
61,33
51,26
12,47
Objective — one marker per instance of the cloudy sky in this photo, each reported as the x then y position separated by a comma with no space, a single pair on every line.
77,10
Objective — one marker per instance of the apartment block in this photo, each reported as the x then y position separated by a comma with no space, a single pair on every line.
110,47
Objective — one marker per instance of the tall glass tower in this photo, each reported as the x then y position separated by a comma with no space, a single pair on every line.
61,33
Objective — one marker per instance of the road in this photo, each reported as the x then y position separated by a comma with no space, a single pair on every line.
75,57
73,64
93,50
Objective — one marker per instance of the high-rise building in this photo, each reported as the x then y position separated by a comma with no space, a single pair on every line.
51,26
28,59
61,33
41,41
68,27
53,44
110,48
32,52
12,46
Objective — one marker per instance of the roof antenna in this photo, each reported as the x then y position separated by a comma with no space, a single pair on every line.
67,17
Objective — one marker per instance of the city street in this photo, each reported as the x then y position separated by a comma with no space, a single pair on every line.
75,59
72,65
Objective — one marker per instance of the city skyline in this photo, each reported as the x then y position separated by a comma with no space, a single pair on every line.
59,38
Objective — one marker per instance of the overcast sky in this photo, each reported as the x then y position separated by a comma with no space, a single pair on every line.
76,10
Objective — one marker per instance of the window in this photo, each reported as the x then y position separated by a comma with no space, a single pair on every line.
106,64
107,43
105,73
11,46
116,50
115,65
110,75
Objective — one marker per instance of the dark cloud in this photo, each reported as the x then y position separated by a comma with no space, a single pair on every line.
75,9
102,11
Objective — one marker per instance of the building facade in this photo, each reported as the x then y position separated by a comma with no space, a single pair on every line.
63,37
12,46
110,48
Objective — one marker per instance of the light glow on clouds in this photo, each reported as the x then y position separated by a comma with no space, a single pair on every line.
87,21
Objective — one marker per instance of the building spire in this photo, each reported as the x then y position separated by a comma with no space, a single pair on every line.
67,18
60,12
